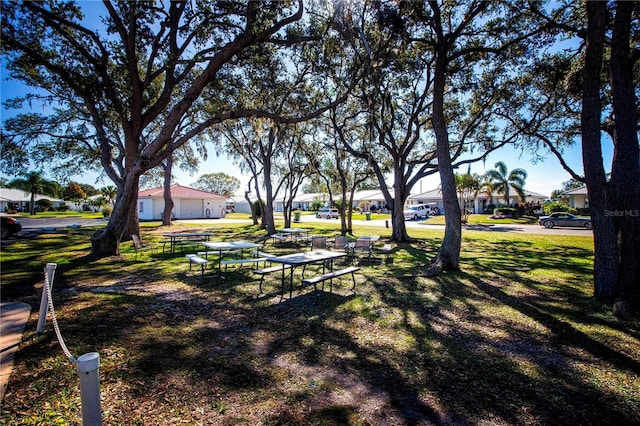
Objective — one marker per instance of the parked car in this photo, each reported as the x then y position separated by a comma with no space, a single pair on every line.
433,209
328,214
564,219
9,226
415,212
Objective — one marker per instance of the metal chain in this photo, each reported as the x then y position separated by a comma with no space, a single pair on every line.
55,320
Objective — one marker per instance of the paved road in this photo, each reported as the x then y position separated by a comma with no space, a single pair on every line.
517,229
31,226
513,228
54,222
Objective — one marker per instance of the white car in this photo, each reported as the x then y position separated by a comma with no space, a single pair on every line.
327,214
415,212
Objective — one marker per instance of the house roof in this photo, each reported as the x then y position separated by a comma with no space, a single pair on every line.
368,194
179,191
302,198
11,194
576,191
437,194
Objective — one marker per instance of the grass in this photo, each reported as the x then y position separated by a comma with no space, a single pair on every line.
69,213
513,338
484,219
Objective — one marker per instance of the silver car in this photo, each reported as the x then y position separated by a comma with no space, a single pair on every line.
415,212
564,219
327,214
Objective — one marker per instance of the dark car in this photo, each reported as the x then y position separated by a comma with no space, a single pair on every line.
10,226
564,219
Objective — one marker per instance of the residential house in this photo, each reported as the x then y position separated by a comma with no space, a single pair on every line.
478,204
189,203
17,199
578,197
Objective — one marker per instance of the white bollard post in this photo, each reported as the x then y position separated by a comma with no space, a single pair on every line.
88,365
50,270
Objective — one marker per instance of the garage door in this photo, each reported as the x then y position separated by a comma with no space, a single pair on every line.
190,209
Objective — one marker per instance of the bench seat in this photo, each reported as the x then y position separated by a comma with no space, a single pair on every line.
268,270
387,249
194,258
279,238
330,275
255,260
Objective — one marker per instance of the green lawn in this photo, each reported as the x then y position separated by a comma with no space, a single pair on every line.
514,338
484,219
70,213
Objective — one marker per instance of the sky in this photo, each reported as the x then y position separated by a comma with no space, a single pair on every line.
543,176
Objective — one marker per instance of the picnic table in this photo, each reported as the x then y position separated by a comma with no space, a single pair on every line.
224,246
175,238
295,234
291,261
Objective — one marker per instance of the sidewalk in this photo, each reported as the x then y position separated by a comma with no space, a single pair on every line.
13,318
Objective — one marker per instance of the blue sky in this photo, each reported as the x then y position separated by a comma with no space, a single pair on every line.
543,176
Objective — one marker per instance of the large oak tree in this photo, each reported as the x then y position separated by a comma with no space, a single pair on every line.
133,86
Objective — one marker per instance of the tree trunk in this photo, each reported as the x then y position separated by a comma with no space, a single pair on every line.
168,201
123,221
448,256
267,211
399,229
605,245
625,171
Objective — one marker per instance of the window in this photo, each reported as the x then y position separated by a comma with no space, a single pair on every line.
141,209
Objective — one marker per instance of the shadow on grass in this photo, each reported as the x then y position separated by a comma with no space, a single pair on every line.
463,348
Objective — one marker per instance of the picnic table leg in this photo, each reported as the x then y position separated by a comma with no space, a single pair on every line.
282,284
220,265
291,283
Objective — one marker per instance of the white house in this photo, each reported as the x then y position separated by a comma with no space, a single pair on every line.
578,197
479,202
17,199
189,203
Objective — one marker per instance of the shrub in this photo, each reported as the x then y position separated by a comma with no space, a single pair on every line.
44,204
106,212
489,208
256,208
557,207
505,211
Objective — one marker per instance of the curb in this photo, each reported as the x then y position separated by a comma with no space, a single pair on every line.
13,318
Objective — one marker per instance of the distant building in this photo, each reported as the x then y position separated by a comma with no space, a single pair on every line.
578,197
189,203
478,204
17,199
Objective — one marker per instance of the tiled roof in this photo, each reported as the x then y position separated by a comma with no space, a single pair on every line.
179,191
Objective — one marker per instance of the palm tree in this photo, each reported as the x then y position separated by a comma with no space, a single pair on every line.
503,181
468,186
109,193
487,189
34,183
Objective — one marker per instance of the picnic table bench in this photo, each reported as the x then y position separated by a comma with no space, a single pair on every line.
194,258
268,270
242,261
330,275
